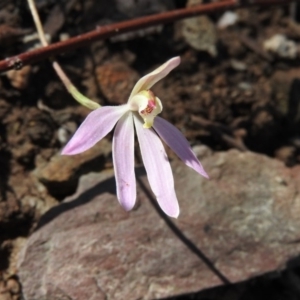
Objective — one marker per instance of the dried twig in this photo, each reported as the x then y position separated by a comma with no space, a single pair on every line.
37,21
18,61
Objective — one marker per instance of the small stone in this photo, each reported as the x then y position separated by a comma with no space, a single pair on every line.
240,133
200,34
220,81
229,18
19,79
60,175
245,86
64,36
282,46
13,286
39,127
202,151
286,154
116,81
234,94
238,65
65,131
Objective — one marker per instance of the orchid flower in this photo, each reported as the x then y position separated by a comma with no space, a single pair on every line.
142,107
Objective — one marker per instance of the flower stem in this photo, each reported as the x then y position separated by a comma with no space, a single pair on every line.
59,71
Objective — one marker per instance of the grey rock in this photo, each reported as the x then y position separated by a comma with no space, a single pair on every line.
244,220
200,32
282,46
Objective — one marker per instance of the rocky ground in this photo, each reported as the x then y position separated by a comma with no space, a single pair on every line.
236,91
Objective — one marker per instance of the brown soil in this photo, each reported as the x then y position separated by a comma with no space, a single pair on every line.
243,98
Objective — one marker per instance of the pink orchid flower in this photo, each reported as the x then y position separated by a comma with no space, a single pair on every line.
142,105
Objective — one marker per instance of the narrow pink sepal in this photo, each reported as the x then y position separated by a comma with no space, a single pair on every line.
146,82
158,169
123,158
96,126
178,143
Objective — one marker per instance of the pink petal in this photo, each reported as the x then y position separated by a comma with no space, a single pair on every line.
146,82
158,169
123,157
96,125
178,143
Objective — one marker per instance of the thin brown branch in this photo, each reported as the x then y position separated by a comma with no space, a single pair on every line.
18,61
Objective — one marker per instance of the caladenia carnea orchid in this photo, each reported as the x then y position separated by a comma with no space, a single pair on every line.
140,112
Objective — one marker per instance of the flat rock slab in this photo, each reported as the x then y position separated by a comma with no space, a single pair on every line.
245,220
